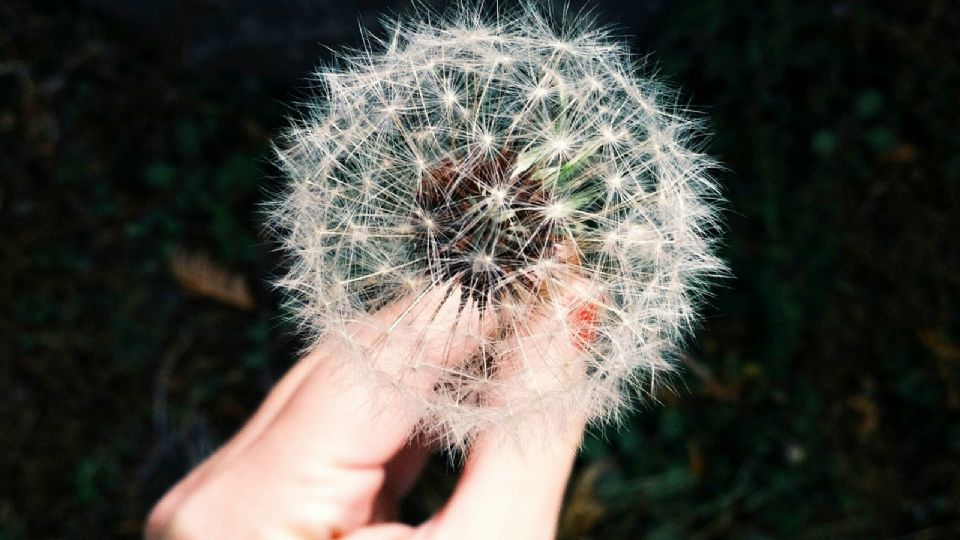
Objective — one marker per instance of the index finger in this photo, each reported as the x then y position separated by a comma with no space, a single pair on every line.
359,402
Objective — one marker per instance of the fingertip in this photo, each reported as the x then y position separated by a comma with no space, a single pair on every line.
512,485
517,469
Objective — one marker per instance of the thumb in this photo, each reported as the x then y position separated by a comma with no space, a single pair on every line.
515,476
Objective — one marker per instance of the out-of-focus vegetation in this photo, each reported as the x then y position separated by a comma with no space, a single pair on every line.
820,400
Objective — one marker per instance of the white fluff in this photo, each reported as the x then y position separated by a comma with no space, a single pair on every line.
623,183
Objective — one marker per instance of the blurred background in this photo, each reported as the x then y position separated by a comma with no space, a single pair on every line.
820,399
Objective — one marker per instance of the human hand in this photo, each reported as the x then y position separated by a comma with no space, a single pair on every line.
320,459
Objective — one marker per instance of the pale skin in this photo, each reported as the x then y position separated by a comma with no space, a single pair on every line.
321,459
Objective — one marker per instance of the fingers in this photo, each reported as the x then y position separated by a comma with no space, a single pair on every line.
324,413
265,414
333,438
515,476
402,472
408,343
327,434
340,410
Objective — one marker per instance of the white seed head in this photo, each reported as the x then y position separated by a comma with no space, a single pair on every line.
501,152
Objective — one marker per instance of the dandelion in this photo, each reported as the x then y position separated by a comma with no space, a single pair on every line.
498,155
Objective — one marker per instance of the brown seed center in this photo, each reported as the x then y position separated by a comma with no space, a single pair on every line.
482,226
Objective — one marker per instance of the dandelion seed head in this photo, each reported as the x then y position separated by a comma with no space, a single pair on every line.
502,152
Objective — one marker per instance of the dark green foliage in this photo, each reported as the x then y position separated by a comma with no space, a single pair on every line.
820,400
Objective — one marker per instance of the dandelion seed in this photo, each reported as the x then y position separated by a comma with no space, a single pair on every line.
558,210
449,98
503,154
